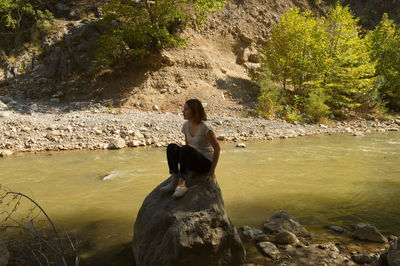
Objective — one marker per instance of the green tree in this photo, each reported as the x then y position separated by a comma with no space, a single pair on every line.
321,64
348,76
137,28
12,12
295,52
384,45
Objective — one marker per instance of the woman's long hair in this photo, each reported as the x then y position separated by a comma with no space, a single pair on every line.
197,110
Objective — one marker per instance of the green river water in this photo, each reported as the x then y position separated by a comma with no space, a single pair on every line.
321,180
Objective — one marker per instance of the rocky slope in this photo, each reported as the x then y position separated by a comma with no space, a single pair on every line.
213,66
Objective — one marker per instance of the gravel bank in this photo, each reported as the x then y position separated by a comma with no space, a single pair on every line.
82,125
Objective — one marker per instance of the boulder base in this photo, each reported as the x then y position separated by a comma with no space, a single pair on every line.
193,230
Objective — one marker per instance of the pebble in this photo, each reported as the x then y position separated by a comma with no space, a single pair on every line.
241,145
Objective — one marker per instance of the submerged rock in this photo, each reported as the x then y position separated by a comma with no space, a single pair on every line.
284,221
193,230
369,233
4,254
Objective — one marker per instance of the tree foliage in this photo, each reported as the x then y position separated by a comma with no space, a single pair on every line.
322,64
12,13
384,47
137,28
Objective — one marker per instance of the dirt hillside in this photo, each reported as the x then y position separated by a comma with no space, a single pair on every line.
213,66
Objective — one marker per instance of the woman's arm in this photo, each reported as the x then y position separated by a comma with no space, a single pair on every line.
186,141
214,143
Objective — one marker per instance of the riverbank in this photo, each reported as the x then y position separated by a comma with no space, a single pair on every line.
82,125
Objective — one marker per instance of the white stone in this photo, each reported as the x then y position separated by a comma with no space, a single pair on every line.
3,106
117,143
5,153
241,145
348,130
5,114
156,108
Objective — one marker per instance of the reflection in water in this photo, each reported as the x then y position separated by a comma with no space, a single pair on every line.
322,180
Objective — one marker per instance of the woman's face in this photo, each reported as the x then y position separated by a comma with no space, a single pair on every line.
187,113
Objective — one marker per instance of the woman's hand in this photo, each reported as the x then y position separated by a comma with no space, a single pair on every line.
210,176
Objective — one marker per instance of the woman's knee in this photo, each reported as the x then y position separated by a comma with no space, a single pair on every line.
172,147
185,149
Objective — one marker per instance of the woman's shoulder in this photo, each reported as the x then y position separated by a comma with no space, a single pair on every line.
185,126
206,126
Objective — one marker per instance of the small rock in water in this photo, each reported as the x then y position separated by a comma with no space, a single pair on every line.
5,153
268,249
134,143
284,221
286,237
361,258
369,233
241,145
250,233
337,229
358,134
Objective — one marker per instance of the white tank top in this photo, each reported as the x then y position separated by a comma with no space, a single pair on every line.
199,141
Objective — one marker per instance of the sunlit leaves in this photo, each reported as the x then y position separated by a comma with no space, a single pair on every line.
321,62
384,44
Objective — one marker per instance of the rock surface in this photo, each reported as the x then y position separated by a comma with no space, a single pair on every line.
251,233
393,256
285,238
283,221
317,254
370,233
4,254
193,230
269,249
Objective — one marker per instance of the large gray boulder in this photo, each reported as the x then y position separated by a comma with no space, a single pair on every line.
193,230
283,221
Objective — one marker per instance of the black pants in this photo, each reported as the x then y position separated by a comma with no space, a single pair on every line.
188,158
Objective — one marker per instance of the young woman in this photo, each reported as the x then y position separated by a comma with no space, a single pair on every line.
200,154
